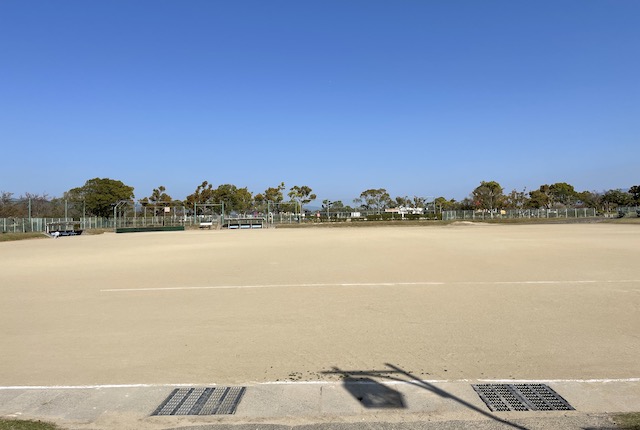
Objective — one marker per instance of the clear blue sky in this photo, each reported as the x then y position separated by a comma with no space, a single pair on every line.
420,97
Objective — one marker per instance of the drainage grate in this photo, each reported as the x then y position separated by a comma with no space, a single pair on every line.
201,401
521,397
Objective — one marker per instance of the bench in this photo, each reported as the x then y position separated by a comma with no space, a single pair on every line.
206,224
244,223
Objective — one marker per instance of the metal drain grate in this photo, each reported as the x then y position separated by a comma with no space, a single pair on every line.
201,401
521,397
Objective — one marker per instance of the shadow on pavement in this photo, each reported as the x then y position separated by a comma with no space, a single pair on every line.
372,394
395,373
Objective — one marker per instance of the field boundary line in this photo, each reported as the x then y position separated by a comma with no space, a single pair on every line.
430,381
371,284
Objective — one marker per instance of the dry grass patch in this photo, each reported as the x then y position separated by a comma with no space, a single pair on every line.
10,424
6,237
630,421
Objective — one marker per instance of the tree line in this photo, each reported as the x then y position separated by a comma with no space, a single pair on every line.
98,196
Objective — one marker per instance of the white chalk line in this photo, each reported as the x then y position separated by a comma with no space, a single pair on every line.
428,381
371,284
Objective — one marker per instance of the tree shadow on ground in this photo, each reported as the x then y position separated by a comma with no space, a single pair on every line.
358,382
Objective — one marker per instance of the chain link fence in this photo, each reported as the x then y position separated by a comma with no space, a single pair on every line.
519,213
629,211
29,225
275,217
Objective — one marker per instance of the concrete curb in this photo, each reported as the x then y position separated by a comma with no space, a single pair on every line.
369,404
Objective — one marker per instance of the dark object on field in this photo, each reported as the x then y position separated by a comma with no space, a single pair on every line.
64,228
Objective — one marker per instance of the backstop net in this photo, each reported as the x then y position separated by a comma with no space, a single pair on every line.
130,214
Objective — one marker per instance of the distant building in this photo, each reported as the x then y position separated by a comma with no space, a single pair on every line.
405,211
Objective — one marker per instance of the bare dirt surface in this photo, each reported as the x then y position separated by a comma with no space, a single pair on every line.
443,303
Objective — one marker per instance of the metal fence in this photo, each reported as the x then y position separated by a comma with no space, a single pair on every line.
519,213
27,225
629,211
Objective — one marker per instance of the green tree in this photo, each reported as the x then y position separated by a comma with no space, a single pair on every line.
516,199
541,198
244,199
402,202
203,194
374,199
157,201
419,202
235,199
488,195
8,207
635,193
615,198
442,204
563,193
100,194
327,208
338,206
467,204
301,195
158,197
589,199
274,194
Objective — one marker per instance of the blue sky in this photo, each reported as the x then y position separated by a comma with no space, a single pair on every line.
424,98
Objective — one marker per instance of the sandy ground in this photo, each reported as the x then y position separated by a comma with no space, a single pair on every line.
227,307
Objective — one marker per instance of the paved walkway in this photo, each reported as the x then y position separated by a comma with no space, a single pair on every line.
349,405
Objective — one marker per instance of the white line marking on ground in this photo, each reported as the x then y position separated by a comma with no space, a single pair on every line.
535,381
222,287
433,381
372,284
451,381
90,387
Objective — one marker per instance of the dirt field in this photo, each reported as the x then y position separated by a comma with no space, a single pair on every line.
449,302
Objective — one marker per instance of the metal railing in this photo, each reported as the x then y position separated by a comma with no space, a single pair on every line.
519,213
28,225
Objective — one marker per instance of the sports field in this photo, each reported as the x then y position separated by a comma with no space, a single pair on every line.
226,307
